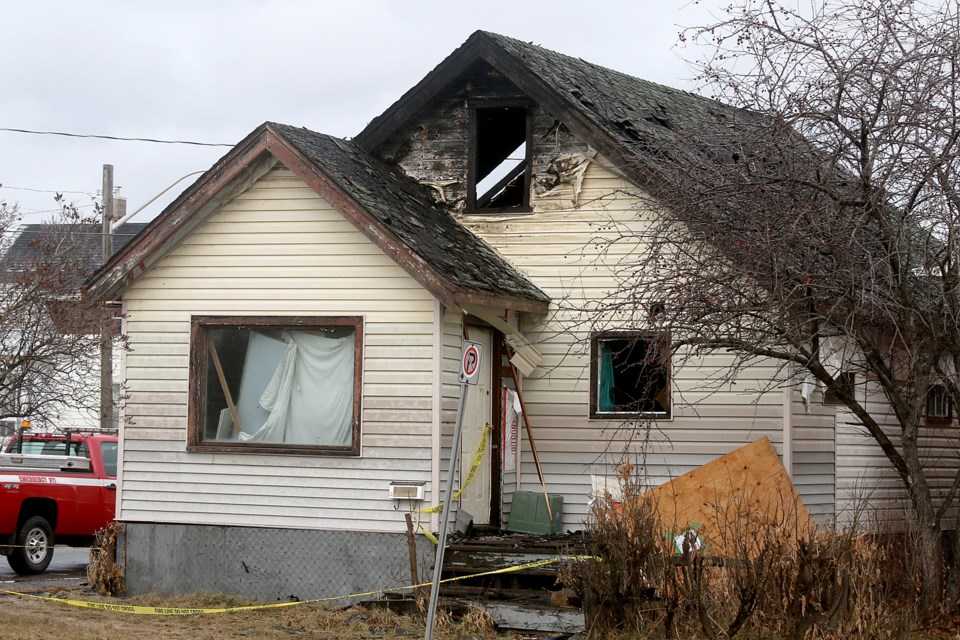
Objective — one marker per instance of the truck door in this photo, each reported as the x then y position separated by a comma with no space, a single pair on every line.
108,488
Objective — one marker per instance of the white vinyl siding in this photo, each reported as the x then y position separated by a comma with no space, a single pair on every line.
865,475
553,248
814,456
450,397
276,249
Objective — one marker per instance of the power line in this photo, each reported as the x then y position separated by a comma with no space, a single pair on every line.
39,211
120,138
3,186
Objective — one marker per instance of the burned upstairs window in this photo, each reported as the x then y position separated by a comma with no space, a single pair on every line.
499,170
630,376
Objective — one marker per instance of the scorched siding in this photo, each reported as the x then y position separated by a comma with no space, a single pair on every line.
276,249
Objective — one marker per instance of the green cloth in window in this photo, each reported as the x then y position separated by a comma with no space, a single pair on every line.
605,393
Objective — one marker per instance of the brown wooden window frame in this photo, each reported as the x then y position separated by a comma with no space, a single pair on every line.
662,340
200,325
938,393
473,150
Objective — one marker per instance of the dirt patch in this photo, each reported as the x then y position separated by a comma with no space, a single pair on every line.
30,619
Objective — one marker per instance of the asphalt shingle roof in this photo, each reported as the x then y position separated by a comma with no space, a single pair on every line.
88,238
630,110
407,209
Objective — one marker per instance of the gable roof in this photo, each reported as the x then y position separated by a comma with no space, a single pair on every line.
395,212
621,116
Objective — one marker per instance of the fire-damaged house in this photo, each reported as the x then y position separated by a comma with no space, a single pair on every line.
295,321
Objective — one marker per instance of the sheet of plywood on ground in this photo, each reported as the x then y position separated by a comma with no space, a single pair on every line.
734,497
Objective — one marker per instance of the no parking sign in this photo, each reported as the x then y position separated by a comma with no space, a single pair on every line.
470,362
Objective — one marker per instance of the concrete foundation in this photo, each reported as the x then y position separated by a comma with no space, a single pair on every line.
266,564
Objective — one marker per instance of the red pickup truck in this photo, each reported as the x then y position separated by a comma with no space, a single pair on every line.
51,491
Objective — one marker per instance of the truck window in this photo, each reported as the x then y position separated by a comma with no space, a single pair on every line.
53,448
48,447
38,447
109,452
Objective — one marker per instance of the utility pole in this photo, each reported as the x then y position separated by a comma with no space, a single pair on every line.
106,322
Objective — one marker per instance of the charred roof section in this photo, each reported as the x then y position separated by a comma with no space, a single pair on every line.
391,209
627,119
406,209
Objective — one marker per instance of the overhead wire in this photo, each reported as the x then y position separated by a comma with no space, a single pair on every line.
119,138
3,186
38,211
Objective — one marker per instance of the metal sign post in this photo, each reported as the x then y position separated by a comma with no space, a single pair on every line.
469,375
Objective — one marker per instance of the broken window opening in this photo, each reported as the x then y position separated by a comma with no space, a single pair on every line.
939,407
846,380
630,376
266,384
500,167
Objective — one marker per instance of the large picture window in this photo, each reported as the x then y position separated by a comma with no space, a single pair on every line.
276,384
629,376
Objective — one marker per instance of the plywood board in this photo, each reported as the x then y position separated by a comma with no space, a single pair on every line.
733,501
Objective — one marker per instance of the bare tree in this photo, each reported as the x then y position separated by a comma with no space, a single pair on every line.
816,222
49,333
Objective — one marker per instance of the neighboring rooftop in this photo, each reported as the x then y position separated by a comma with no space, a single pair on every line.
87,236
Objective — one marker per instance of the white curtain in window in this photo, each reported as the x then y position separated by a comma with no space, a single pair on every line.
837,353
310,396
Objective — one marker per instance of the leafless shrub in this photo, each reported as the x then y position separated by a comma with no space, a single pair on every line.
754,575
628,553
103,574
49,330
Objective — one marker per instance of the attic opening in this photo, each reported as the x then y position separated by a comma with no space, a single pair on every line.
499,171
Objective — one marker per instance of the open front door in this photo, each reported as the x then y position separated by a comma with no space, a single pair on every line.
478,498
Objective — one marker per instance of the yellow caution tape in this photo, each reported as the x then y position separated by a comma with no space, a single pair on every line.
474,466
186,611
27,546
426,534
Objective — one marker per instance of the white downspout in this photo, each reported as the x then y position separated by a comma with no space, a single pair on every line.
121,421
437,410
787,445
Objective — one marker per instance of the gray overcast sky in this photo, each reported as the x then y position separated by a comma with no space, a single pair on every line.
213,71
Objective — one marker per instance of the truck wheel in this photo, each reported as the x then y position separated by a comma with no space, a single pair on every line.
34,547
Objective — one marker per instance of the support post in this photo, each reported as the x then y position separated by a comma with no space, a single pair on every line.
412,553
106,321
526,424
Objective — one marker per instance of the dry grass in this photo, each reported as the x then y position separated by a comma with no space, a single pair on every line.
29,619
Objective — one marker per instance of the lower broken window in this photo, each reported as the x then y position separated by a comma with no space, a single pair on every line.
938,403
629,375
269,384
